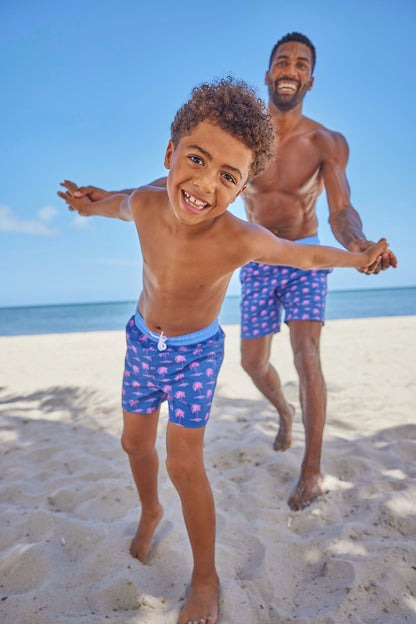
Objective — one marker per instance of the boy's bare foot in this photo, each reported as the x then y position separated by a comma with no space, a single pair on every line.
306,491
202,603
283,440
141,542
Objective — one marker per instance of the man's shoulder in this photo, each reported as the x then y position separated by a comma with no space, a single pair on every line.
324,135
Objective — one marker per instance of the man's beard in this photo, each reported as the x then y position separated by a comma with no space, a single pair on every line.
286,101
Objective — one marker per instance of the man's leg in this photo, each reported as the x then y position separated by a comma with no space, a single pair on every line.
255,359
305,337
138,440
186,469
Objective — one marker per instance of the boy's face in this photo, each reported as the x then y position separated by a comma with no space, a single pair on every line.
208,169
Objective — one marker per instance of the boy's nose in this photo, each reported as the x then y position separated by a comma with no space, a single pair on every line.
205,183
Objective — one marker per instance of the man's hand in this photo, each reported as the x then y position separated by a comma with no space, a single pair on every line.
81,204
92,192
385,260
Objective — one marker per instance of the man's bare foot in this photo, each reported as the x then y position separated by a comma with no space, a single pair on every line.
306,492
283,440
202,603
141,542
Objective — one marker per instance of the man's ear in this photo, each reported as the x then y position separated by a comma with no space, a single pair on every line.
169,152
312,78
266,79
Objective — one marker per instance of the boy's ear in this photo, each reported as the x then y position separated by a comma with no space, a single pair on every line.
266,80
310,83
168,156
239,192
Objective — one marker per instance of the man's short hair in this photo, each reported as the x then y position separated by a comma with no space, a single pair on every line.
234,107
295,36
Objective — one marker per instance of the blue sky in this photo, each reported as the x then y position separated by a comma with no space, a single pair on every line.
89,89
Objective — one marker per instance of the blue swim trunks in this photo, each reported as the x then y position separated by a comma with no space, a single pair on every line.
182,370
267,288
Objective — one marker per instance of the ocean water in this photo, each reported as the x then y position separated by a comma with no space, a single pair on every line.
84,317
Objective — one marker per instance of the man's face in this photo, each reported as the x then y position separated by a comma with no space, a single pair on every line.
290,75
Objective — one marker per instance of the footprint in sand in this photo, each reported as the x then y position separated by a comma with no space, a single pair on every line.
24,568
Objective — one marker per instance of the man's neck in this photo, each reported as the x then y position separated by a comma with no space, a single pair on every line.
285,121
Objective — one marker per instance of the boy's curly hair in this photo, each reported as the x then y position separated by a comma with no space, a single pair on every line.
234,107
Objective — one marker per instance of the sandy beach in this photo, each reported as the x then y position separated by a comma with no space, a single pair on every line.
68,506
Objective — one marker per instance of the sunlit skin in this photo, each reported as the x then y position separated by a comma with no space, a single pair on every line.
191,245
309,158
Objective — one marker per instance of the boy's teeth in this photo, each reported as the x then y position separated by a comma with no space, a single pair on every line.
195,202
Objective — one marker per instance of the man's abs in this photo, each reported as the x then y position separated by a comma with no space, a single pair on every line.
288,216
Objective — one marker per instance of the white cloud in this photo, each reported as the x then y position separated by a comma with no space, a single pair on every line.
47,213
10,223
82,223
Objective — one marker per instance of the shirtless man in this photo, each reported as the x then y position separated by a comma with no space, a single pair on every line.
309,158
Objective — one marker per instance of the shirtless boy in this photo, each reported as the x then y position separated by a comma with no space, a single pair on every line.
221,138
309,158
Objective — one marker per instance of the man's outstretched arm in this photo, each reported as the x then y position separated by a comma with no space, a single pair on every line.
344,220
116,206
94,193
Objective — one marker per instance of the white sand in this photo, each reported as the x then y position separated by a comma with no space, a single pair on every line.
68,506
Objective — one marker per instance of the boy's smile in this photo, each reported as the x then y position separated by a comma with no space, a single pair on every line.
208,169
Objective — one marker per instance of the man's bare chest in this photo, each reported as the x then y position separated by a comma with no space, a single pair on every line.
292,171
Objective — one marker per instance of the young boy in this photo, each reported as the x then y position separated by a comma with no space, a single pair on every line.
221,138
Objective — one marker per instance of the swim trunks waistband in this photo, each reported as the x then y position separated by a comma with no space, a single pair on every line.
176,341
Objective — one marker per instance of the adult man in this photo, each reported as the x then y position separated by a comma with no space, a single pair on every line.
309,158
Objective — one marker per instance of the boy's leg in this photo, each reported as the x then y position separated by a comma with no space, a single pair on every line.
138,440
186,469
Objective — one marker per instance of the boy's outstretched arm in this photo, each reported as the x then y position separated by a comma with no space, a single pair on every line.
115,206
273,250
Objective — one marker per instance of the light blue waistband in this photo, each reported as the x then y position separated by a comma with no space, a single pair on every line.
186,339
310,240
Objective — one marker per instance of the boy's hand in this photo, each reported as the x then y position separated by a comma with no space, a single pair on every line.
384,261
82,204
373,256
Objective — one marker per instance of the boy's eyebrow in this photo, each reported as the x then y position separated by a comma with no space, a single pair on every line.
208,155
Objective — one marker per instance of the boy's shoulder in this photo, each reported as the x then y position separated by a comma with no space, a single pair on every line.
148,195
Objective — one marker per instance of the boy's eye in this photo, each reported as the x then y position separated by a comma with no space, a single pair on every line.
196,159
228,177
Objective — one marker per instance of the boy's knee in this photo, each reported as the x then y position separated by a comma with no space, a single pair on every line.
180,469
135,446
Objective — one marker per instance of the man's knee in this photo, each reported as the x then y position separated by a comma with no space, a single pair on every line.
307,357
254,360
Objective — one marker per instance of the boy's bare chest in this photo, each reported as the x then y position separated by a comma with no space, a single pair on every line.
186,264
